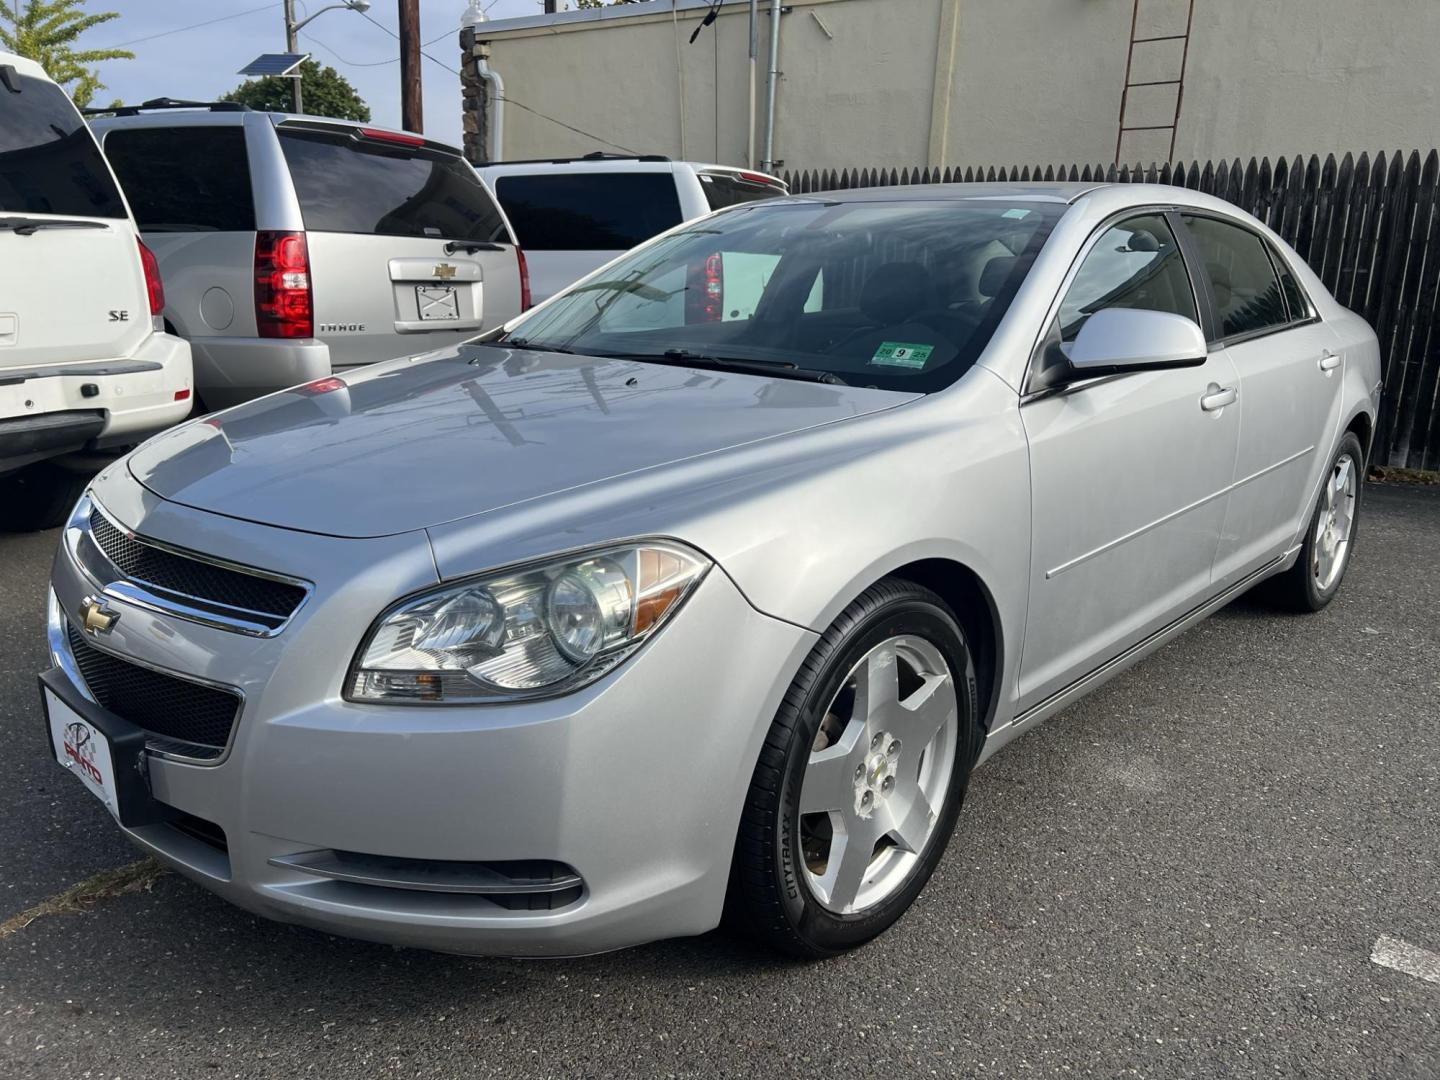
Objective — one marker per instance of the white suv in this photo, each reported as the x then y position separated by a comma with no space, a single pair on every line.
573,215
85,367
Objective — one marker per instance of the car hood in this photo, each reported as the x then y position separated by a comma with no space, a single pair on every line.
417,442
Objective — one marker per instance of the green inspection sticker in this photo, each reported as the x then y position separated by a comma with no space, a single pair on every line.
902,354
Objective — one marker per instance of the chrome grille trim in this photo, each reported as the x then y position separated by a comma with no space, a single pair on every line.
93,561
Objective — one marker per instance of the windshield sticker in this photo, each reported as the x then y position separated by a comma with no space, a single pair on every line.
902,354
1017,214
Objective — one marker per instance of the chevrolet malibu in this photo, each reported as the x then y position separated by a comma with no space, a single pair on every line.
657,605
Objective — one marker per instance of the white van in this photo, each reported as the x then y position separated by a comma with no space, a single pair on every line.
85,367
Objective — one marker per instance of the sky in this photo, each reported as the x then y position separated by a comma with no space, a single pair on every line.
201,63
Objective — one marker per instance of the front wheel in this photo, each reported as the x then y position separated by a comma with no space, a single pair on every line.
861,777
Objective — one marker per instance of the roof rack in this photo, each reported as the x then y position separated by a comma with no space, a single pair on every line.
597,155
167,103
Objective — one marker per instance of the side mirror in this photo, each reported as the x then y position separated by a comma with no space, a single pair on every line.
1117,340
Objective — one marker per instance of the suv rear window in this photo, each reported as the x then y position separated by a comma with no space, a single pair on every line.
610,211
49,163
185,179
729,189
351,185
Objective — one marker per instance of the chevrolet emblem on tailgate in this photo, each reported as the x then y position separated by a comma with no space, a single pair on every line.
96,617
444,271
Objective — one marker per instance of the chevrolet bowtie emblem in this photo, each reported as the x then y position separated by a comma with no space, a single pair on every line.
445,271
96,617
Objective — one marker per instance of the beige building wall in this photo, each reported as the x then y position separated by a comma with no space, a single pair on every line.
913,82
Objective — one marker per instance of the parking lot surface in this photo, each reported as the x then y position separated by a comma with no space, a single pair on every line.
1184,875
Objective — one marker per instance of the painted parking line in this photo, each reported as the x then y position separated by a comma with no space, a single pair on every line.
1402,956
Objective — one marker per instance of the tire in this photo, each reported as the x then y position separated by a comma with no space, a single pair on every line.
778,890
39,496
1304,588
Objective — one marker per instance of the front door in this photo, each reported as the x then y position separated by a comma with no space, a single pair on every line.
1290,371
1129,474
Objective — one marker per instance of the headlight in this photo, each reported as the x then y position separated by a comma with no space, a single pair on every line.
532,632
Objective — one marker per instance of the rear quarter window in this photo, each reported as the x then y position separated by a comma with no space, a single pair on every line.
49,163
727,189
350,185
610,211
189,179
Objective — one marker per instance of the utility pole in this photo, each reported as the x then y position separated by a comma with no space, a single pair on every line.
411,110
292,38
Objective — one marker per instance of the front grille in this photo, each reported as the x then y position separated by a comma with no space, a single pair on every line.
182,717
192,577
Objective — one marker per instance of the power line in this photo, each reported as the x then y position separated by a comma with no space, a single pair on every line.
393,34
345,60
195,26
562,123
506,98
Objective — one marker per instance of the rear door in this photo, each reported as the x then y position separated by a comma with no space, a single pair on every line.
570,222
1289,366
71,284
408,251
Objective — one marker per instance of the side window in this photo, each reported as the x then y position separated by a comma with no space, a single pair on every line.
1247,292
1135,264
600,211
215,194
1297,303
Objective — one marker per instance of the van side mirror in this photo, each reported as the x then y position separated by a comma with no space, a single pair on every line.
1118,340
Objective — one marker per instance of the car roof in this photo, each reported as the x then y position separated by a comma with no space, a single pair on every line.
645,163
1025,192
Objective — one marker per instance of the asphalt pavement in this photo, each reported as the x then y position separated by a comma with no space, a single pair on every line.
1184,875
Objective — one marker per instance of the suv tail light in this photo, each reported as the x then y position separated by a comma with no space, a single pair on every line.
524,279
705,299
282,286
154,287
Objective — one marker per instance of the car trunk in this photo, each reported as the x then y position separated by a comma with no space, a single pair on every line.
407,249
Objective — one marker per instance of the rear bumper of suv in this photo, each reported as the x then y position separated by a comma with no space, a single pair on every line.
94,405
229,371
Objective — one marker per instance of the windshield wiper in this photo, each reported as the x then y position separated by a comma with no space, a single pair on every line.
780,369
522,344
28,226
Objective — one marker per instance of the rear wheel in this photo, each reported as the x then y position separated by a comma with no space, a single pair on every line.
861,778
39,496
1315,578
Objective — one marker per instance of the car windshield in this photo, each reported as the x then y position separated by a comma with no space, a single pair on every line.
900,295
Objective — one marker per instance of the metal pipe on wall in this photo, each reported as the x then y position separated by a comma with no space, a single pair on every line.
750,115
771,78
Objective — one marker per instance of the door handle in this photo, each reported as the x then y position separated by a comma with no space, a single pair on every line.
1329,361
1217,397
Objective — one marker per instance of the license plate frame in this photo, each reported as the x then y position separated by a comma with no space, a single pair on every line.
437,303
105,752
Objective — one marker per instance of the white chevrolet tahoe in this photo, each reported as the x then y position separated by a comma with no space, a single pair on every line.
85,367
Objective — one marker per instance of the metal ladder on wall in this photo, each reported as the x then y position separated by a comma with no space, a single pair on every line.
1178,82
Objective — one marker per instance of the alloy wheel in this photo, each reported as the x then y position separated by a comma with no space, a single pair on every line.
878,774
1334,523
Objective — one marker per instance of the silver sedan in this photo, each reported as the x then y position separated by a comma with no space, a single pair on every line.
702,589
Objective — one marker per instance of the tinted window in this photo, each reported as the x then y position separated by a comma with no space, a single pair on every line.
187,179
351,185
899,295
1247,292
728,189
1136,264
588,211
49,163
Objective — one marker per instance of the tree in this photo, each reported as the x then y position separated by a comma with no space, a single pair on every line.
46,31
327,93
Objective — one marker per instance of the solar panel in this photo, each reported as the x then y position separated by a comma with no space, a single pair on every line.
274,64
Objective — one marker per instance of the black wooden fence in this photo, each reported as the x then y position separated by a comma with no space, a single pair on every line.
1370,227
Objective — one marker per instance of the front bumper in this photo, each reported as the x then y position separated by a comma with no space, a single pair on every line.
636,782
